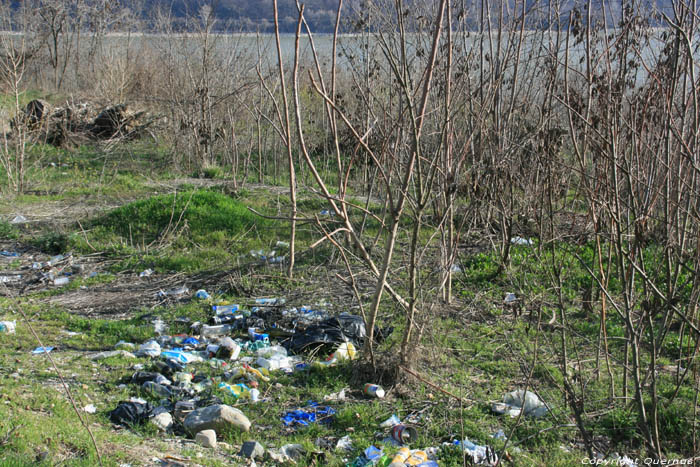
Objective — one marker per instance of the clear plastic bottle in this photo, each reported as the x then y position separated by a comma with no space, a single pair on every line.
218,330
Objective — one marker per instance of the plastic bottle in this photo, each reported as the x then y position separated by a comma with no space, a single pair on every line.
270,301
224,309
55,260
255,395
218,330
226,318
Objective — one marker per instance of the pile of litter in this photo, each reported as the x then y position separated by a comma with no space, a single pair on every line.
235,356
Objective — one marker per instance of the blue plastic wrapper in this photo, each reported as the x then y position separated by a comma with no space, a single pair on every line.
190,341
310,414
42,350
373,453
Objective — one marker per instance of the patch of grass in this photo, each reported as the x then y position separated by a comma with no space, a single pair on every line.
52,242
200,213
8,230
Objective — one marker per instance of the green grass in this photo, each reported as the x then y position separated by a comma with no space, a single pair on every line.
203,214
475,349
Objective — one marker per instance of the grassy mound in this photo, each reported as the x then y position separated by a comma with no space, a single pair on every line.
202,212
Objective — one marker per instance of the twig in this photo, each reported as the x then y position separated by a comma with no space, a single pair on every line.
281,218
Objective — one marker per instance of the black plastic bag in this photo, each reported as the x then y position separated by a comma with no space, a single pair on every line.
131,413
336,330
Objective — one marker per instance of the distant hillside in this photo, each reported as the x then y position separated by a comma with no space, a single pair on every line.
256,15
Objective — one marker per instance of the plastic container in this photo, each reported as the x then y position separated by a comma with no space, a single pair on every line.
257,336
267,352
255,395
63,280
275,362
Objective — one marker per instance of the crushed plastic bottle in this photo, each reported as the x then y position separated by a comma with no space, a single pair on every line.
182,290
